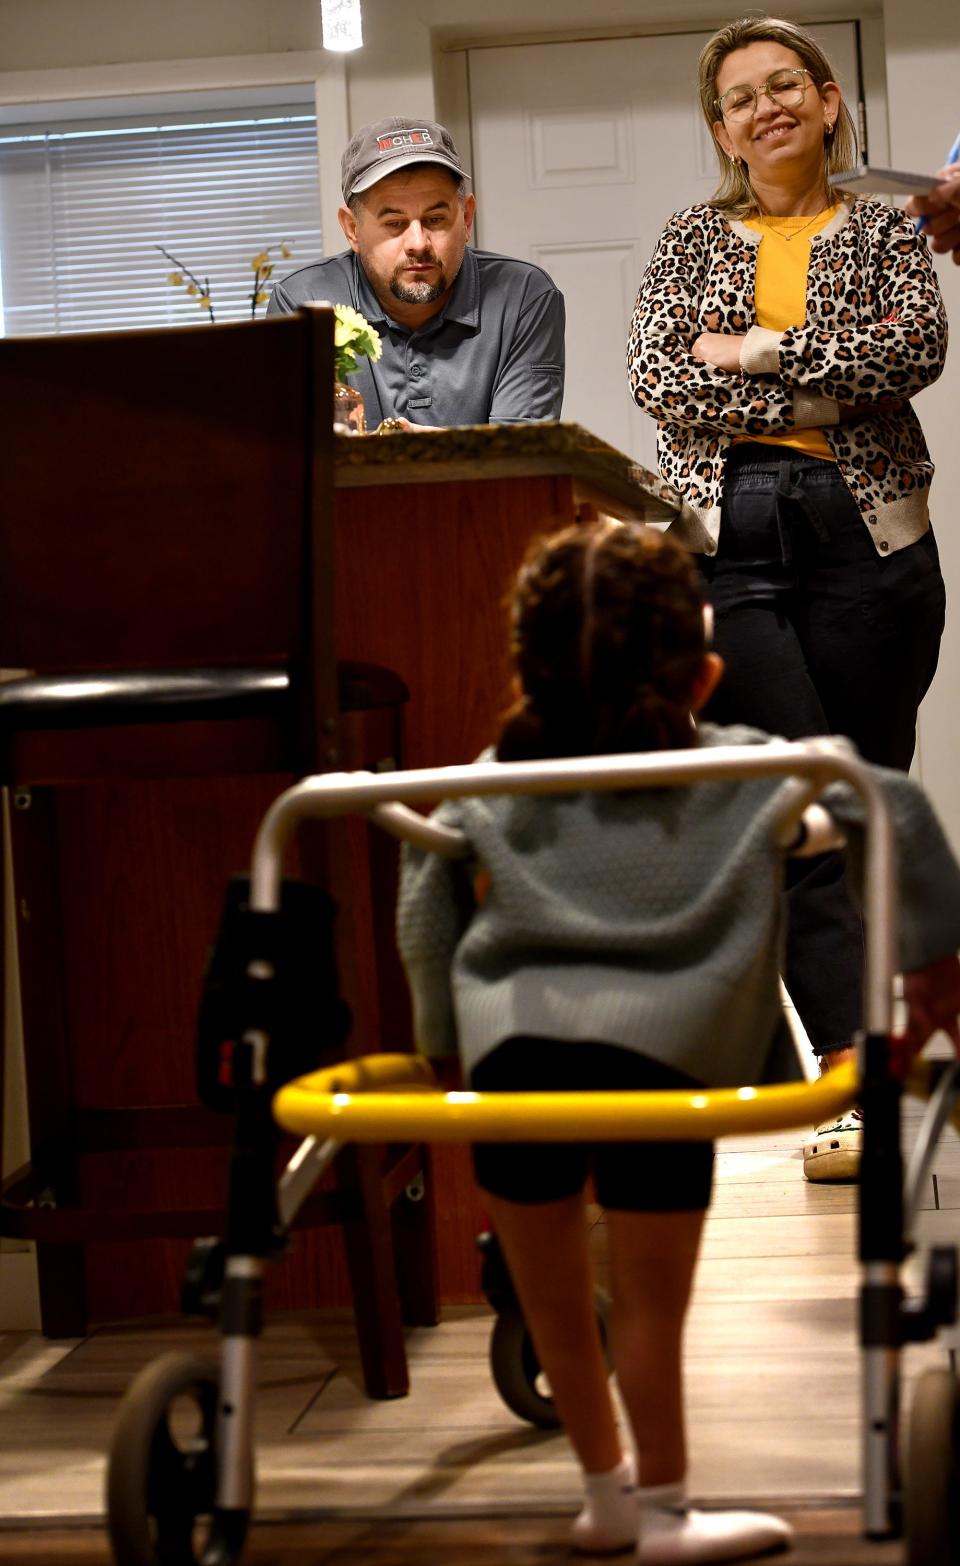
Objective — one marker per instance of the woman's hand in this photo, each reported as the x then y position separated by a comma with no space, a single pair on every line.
941,209
721,349
389,426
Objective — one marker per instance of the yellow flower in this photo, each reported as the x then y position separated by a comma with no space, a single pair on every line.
265,271
354,331
192,289
349,320
204,301
260,298
176,278
259,260
286,252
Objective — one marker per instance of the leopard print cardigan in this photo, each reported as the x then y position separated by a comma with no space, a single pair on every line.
875,330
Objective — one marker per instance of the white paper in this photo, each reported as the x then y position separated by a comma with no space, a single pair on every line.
894,181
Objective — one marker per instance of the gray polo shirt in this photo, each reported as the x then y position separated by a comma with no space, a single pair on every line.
493,355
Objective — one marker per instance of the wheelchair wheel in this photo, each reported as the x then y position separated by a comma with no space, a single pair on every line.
161,1469
516,1371
932,1488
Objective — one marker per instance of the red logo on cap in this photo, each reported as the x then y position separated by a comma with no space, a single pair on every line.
401,139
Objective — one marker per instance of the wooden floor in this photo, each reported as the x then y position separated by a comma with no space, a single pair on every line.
449,1473
825,1537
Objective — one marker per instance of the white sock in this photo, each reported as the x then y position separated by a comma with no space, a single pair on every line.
673,1534
607,1521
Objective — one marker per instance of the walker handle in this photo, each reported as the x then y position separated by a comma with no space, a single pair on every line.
338,1103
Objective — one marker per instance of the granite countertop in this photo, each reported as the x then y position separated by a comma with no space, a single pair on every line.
488,451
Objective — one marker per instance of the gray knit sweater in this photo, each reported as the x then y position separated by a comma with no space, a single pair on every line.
650,919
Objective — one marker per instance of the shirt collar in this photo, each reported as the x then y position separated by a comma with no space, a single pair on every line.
464,302
462,306
367,302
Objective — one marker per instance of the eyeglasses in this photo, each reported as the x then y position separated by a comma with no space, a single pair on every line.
785,88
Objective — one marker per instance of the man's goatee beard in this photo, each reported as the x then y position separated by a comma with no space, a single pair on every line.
417,293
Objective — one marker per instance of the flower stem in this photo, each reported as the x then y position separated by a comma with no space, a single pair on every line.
202,288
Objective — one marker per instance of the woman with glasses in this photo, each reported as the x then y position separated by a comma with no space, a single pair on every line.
780,332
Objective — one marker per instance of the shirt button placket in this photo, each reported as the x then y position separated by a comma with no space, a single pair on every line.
418,379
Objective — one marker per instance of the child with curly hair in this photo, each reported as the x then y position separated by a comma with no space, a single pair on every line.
628,940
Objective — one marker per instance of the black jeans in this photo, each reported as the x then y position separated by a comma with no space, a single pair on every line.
820,634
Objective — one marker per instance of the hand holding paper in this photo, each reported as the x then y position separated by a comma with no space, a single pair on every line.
934,198
938,210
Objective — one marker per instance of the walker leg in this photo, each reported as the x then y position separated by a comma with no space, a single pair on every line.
881,1250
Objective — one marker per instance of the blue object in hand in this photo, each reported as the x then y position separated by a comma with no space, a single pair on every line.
953,157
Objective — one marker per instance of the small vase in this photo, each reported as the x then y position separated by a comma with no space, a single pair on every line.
348,414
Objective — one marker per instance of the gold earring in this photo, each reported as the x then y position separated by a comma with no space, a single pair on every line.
828,128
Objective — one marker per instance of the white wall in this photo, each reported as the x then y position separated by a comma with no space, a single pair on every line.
405,40
42,34
393,73
923,96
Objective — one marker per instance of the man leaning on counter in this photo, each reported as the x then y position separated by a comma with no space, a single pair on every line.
468,337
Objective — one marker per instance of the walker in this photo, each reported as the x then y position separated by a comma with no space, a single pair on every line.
171,1503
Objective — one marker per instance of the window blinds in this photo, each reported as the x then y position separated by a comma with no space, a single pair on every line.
81,211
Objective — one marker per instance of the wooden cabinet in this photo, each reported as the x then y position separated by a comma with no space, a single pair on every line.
429,531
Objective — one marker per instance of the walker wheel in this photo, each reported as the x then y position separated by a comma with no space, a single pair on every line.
161,1469
515,1366
932,1489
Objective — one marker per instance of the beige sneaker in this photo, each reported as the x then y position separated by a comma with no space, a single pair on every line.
836,1149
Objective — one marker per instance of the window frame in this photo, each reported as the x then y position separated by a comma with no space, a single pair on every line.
94,201
102,89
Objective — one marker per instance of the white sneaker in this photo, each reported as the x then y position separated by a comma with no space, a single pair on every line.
836,1149
680,1536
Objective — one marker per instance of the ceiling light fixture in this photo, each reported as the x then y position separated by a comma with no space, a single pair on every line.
341,24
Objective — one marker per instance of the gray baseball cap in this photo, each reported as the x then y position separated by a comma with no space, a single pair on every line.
388,145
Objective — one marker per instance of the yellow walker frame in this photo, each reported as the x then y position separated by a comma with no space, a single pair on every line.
392,1098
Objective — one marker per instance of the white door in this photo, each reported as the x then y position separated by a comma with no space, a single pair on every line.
581,151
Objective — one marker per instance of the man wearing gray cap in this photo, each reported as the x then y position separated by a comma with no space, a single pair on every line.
468,337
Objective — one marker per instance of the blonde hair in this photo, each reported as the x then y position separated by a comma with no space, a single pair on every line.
734,194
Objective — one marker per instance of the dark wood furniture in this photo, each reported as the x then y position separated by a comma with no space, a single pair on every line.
166,577
428,532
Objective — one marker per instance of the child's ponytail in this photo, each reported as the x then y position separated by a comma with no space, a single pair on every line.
608,640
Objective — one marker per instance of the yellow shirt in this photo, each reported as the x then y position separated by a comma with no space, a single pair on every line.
781,298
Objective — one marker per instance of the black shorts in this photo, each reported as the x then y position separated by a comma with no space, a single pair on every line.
654,1177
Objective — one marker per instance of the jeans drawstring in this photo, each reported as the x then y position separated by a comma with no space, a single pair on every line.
786,490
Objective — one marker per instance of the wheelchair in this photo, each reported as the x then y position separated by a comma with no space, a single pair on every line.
175,1500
